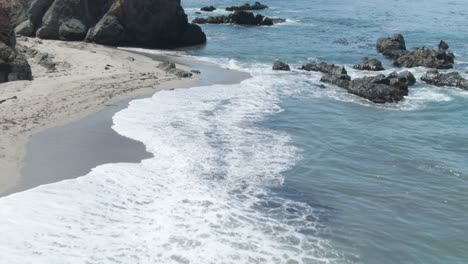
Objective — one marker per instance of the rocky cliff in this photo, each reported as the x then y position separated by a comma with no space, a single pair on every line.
13,65
146,23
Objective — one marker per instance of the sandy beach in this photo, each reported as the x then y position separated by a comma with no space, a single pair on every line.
72,80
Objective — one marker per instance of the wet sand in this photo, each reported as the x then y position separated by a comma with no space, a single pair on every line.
72,150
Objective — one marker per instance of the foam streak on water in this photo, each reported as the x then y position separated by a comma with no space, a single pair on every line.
203,198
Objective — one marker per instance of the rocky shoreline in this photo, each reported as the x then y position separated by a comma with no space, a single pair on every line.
393,87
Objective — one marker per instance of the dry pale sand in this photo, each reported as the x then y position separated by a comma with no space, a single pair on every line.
87,78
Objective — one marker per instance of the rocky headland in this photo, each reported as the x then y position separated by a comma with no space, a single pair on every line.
145,23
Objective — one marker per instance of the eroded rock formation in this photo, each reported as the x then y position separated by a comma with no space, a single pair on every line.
147,23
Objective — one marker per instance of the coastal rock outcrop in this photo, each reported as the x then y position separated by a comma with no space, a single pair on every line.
392,47
377,89
426,57
240,18
369,64
247,6
208,8
13,65
453,79
405,76
146,23
281,66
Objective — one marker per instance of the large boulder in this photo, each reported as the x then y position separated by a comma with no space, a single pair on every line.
13,65
72,30
404,76
369,64
25,29
453,79
333,74
281,66
392,47
148,23
378,89
426,57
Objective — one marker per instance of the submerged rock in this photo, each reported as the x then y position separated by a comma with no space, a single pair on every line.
453,79
426,57
245,7
281,66
392,47
369,64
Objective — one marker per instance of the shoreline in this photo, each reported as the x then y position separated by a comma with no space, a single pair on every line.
72,80
50,145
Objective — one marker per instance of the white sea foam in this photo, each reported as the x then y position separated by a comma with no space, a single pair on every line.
203,198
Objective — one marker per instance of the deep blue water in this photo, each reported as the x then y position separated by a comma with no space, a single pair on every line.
390,181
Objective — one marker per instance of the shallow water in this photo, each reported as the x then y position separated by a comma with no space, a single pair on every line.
276,169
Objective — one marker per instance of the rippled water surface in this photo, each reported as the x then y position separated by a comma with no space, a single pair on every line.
277,169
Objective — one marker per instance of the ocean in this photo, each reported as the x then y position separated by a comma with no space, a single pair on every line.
278,168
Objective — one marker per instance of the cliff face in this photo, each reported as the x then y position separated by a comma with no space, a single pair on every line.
13,66
147,23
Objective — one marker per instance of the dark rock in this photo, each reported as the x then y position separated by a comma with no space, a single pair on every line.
281,66
208,8
404,76
37,10
392,47
13,65
46,61
333,74
146,23
369,64
108,31
72,30
246,7
149,23
324,68
240,18
195,71
426,57
378,89
453,79
25,29
443,46
166,66
183,74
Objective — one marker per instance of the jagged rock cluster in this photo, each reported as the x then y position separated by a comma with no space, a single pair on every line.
247,6
13,65
240,16
377,89
147,23
394,47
